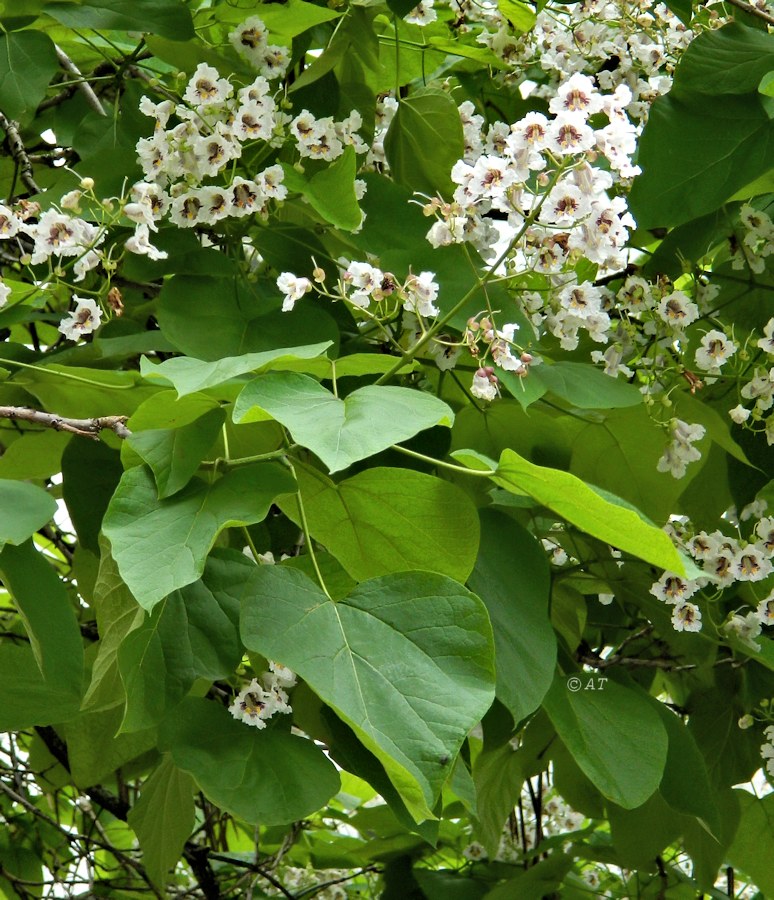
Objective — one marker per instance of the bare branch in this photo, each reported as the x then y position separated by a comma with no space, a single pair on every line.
753,10
84,427
18,153
83,86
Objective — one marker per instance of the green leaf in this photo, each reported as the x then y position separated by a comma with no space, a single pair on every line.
620,454
424,120
684,175
586,387
576,502
388,659
163,818
686,785
49,619
499,778
331,191
188,375
753,845
388,520
168,18
34,455
174,454
291,18
33,700
513,579
24,508
519,14
614,735
246,317
118,613
94,749
161,545
341,432
27,64
268,777
190,634
640,835
730,60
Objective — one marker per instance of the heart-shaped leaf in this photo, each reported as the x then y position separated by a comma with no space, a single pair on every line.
405,660
341,432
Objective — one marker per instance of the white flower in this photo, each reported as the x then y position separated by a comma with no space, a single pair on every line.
140,243
10,223
765,610
745,628
739,414
282,674
677,310
767,343
206,87
474,851
293,288
5,293
484,385
422,14
686,617
250,38
253,705
750,564
680,451
83,320
577,96
715,350
672,588
421,294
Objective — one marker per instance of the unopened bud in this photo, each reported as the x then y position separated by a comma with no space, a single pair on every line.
87,183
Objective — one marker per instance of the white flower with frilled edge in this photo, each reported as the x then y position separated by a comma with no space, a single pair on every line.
84,319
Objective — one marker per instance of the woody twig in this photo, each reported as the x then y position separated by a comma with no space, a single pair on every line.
84,427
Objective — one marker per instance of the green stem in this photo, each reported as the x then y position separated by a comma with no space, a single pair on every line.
444,465
220,462
308,536
67,375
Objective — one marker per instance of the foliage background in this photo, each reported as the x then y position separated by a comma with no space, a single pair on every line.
524,584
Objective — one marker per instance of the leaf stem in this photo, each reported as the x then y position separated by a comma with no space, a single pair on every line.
67,375
444,465
308,536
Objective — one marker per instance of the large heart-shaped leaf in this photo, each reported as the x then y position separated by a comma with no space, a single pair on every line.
189,375
161,545
389,520
270,776
613,734
405,660
341,432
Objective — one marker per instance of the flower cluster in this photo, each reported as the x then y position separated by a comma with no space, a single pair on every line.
54,235
365,286
644,39
251,41
767,750
724,561
680,450
264,697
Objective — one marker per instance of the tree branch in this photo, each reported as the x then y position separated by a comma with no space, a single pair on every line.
197,857
18,153
752,10
84,427
83,86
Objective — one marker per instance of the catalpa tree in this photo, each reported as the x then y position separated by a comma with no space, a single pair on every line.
385,501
